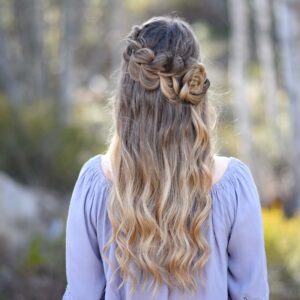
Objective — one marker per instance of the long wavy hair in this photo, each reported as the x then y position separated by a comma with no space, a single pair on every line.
161,156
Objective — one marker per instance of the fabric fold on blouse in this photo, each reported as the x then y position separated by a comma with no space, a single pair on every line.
237,266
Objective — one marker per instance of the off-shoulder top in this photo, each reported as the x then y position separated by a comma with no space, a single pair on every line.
236,268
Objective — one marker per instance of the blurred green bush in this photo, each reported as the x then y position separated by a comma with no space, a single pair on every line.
35,150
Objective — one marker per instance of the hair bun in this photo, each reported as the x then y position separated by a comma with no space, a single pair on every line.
195,83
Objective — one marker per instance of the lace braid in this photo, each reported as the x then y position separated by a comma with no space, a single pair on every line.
178,80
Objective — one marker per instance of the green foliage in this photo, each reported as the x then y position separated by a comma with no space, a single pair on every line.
38,271
34,258
35,149
44,256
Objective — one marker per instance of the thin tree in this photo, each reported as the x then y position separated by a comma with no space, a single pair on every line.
265,52
29,21
7,77
287,16
238,57
72,14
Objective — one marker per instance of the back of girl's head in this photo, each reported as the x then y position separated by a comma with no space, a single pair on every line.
166,35
161,155
162,55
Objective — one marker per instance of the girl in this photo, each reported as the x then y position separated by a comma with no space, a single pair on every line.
160,215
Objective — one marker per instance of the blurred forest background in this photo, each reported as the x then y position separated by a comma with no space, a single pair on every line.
58,61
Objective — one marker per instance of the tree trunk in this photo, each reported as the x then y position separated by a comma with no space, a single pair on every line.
238,57
115,21
71,23
263,20
30,28
7,77
287,30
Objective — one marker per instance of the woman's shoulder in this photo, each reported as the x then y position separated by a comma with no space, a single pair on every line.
90,164
93,168
90,189
232,169
235,194
91,183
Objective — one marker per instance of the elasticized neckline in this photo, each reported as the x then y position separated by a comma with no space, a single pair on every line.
219,184
226,175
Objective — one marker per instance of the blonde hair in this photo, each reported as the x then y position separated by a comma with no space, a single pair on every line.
161,156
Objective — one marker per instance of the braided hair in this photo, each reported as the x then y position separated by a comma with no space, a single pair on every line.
180,79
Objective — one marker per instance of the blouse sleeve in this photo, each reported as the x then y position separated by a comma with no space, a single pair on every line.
84,268
247,264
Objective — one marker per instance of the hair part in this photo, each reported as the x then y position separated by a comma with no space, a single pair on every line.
161,156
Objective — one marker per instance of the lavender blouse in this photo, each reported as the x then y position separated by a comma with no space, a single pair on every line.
236,269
